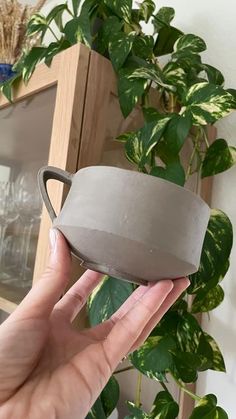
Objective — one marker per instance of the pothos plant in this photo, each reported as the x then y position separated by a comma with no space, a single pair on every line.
191,96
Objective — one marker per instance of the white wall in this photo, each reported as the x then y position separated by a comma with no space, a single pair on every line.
215,22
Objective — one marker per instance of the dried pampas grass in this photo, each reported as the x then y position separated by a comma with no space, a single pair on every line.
14,17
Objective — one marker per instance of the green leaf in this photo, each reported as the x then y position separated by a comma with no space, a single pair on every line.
191,64
152,73
189,42
123,138
110,396
186,366
205,352
134,148
164,407
147,7
204,302
167,37
107,298
78,29
207,409
207,103
163,18
152,132
111,25
37,23
214,75
119,48
71,29
177,131
97,411
215,252
6,87
218,363
129,90
143,46
175,75
188,333
232,92
164,153
54,48
168,324
75,5
136,412
219,157
173,172
122,8
150,114
153,358
35,55
56,13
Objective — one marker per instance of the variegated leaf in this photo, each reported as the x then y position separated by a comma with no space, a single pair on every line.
143,46
164,406
147,7
219,157
110,26
163,18
174,74
37,24
130,90
207,409
189,42
152,73
152,132
215,252
204,302
119,48
214,75
218,363
134,149
207,103
121,8
153,358
136,412
107,297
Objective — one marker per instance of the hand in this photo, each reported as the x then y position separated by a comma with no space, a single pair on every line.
50,370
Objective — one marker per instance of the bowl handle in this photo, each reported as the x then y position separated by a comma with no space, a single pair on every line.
49,172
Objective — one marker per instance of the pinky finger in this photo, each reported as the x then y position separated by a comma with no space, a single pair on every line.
180,286
129,327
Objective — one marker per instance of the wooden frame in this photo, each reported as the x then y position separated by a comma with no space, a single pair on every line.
68,73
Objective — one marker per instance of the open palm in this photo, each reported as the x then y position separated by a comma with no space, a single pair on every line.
49,369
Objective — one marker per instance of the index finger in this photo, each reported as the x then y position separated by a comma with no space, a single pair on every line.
128,328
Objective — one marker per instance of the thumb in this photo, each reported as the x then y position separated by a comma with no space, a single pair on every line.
47,290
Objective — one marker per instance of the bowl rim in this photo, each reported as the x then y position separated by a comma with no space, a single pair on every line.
140,174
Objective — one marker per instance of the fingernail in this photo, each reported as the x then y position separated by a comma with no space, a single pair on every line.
53,239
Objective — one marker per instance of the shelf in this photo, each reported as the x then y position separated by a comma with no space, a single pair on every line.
10,297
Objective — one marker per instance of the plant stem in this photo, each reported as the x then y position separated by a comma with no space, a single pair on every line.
171,103
138,390
124,369
164,386
205,137
184,388
191,160
57,39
